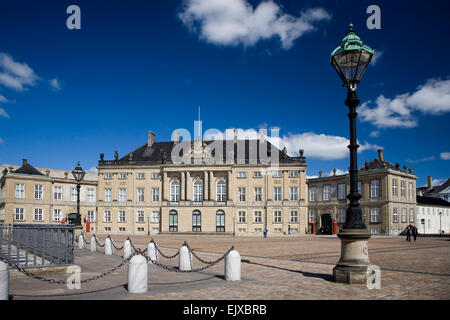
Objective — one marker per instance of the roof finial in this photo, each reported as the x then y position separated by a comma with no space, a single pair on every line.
350,28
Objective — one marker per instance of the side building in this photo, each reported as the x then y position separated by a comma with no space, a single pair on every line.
433,215
44,196
148,192
388,198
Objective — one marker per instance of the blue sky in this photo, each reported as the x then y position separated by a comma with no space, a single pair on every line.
134,66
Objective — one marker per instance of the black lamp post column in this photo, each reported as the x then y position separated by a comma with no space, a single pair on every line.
78,199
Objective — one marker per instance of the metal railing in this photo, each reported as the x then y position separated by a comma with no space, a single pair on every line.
37,245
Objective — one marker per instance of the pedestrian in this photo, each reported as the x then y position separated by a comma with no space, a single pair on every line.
408,233
415,232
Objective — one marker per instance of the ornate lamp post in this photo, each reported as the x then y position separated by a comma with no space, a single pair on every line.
350,60
78,173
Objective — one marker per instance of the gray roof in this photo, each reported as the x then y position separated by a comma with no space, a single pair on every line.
432,201
27,168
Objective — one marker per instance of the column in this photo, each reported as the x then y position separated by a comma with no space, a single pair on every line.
206,185
183,186
229,185
164,187
188,186
211,185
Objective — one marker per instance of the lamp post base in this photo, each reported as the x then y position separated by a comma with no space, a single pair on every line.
352,267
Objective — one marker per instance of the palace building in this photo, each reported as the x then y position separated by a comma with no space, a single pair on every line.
148,191
388,197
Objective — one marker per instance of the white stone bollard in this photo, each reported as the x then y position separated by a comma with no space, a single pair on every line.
184,259
151,252
4,281
233,266
108,246
93,244
138,274
81,243
127,250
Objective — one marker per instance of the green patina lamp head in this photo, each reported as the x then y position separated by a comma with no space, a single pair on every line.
351,59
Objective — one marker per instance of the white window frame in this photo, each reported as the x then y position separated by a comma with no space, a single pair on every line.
38,212
411,214
57,193
403,188
294,216
242,216
156,175
293,193
242,194
242,174
155,216
108,195
277,194
155,194
257,215
410,190
107,176
122,194
395,215
19,214
57,215
341,191
90,214
341,215
258,194
257,174
313,194
107,216
276,174
140,194
140,176
293,174
198,191
326,192
122,176
375,215
394,187
404,218
20,192
38,191
122,216
277,216
375,191
312,215
140,216
221,191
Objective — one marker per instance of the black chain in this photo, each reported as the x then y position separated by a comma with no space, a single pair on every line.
114,245
98,243
85,241
162,254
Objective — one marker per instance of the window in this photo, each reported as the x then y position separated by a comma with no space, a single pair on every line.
57,193
196,221
122,176
242,230
107,228
394,187
395,215
73,194
140,216
277,194
198,191
155,194
294,217
374,231
277,216
108,176
155,216
258,194
38,191
19,214
20,190
403,214
258,216
57,215
242,174
242,217
140,229
175,191
312,216
122,195
38,214
374,188
121,216
140,195
121,228
257,174
173,220
341,191
107,195
91,215
341,216
258,230
374,215
91,195
276,174
277,230
156,175
241,194
293,193
313,194
360,189
411,215
140,176
107,216
410,190
221,191
327,192
403,188
155,230
293,174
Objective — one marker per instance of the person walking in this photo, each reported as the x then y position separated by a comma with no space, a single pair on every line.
408,234
414,232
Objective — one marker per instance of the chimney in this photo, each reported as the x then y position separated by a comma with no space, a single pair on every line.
24,162
235,136
47,172
334,171
430,184
151,139
66,174
284,151
320,174
261,135
380,154
176,137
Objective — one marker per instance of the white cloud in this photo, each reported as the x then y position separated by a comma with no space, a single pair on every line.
2,141
3,99
55,84
431,98
16,75
3,113
445,155
93,170
421,160
374,134
339,172
311,177
435,182
235,22
322,146
376,56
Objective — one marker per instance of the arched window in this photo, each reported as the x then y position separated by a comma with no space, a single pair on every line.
196,221
198,191
221,191
173,220
175,191
220,221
